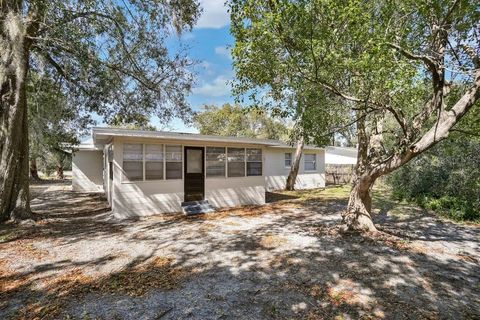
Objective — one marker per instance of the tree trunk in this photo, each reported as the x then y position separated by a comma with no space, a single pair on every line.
292,176
14,173
358,216
60,174
34,169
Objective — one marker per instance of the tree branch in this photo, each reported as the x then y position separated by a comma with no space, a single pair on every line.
431,64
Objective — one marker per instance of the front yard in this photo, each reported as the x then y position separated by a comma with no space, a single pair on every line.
282,260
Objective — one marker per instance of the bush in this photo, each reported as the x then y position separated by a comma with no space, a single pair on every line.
446,179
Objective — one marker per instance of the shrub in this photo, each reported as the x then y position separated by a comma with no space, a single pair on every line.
446,179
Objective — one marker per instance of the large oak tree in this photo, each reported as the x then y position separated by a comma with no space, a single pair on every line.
106,56
407,70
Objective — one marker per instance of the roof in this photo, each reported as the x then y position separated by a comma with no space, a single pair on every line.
340,155
103,135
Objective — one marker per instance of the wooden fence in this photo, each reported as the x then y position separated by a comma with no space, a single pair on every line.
338,173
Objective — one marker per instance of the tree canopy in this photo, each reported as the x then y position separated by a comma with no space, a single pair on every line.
403,72
233,120
104,56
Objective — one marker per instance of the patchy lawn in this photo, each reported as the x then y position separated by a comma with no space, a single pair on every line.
282,260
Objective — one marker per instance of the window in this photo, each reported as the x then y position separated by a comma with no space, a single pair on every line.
310,163
215,162
133,161
288,160
236,162
110,170
173,165
153,161
254,162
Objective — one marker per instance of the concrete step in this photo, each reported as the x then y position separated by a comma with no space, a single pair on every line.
197,207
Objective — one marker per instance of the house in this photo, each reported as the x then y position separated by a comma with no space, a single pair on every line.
339,164
150,172
340,155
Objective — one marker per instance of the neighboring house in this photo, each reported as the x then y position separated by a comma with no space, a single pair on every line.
149,172
340,155
339,164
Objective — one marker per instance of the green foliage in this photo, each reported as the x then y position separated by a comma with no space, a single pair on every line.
331,63
235,121
110,57
446,179
55,125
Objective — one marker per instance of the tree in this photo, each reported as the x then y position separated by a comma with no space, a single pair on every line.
309,124
108,57
54,124
408,71
235,121
446,178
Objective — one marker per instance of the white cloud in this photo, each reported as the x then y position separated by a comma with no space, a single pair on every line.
214,14
217,88
223,51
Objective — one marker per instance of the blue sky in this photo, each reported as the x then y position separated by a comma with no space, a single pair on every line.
208,45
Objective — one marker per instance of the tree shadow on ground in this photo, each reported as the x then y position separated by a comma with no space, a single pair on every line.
285,260
278,196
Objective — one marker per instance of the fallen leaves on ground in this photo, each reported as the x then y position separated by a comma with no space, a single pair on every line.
138,280
272,241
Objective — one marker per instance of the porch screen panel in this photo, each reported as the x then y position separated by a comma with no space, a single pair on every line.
215,157
236,162
154,161
173,164
133,161
310,162
254,162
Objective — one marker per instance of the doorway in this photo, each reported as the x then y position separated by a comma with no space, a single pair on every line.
194,183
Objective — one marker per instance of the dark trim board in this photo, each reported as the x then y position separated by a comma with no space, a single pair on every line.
194,183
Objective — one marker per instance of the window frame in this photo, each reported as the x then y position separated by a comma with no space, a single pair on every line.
285,160
181,161
247,161
124,178
145,161
314,162
244,162
124,174
225,161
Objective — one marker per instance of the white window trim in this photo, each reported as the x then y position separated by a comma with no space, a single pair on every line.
284,160
225,163
125,180
182,151
246,162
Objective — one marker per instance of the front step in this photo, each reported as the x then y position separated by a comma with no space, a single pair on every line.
197,207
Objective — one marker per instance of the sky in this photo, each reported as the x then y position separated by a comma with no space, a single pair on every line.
208,44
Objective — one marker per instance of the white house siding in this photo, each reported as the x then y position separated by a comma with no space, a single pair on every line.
276,172
142,198
87,171
230,192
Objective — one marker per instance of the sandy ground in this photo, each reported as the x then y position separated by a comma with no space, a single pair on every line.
285,260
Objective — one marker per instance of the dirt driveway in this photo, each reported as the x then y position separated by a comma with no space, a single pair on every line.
282,260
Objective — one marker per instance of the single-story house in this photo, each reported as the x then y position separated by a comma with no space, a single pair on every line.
150,172
339,164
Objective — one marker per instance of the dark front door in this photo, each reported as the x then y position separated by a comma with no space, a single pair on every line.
194,175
